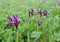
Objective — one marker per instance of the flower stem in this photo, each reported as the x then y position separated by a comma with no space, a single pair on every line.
28,37
17,36
16,33
37,28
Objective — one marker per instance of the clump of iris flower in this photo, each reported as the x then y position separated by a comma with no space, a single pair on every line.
40,12
31,12
45,12
39,23
14,20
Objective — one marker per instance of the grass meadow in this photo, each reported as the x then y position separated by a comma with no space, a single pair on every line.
29,31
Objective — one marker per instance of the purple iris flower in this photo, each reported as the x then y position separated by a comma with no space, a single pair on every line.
40,12
31,12
39,23
59,4
45,12
14,20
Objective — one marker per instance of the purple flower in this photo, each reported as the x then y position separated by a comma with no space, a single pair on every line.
58,4
10,22
31,12
40,12
14,20
45,12
39,23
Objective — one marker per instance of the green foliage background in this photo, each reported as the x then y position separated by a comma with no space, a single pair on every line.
48,31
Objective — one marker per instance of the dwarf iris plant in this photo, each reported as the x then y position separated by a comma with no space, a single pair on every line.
31,12
39,23
14,21
45,12
40,12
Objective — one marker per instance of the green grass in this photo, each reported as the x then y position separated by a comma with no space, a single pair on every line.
48,31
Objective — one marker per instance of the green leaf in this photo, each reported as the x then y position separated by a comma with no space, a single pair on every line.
35,34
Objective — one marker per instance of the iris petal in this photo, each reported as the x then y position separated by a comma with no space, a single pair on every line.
9,18
15,18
